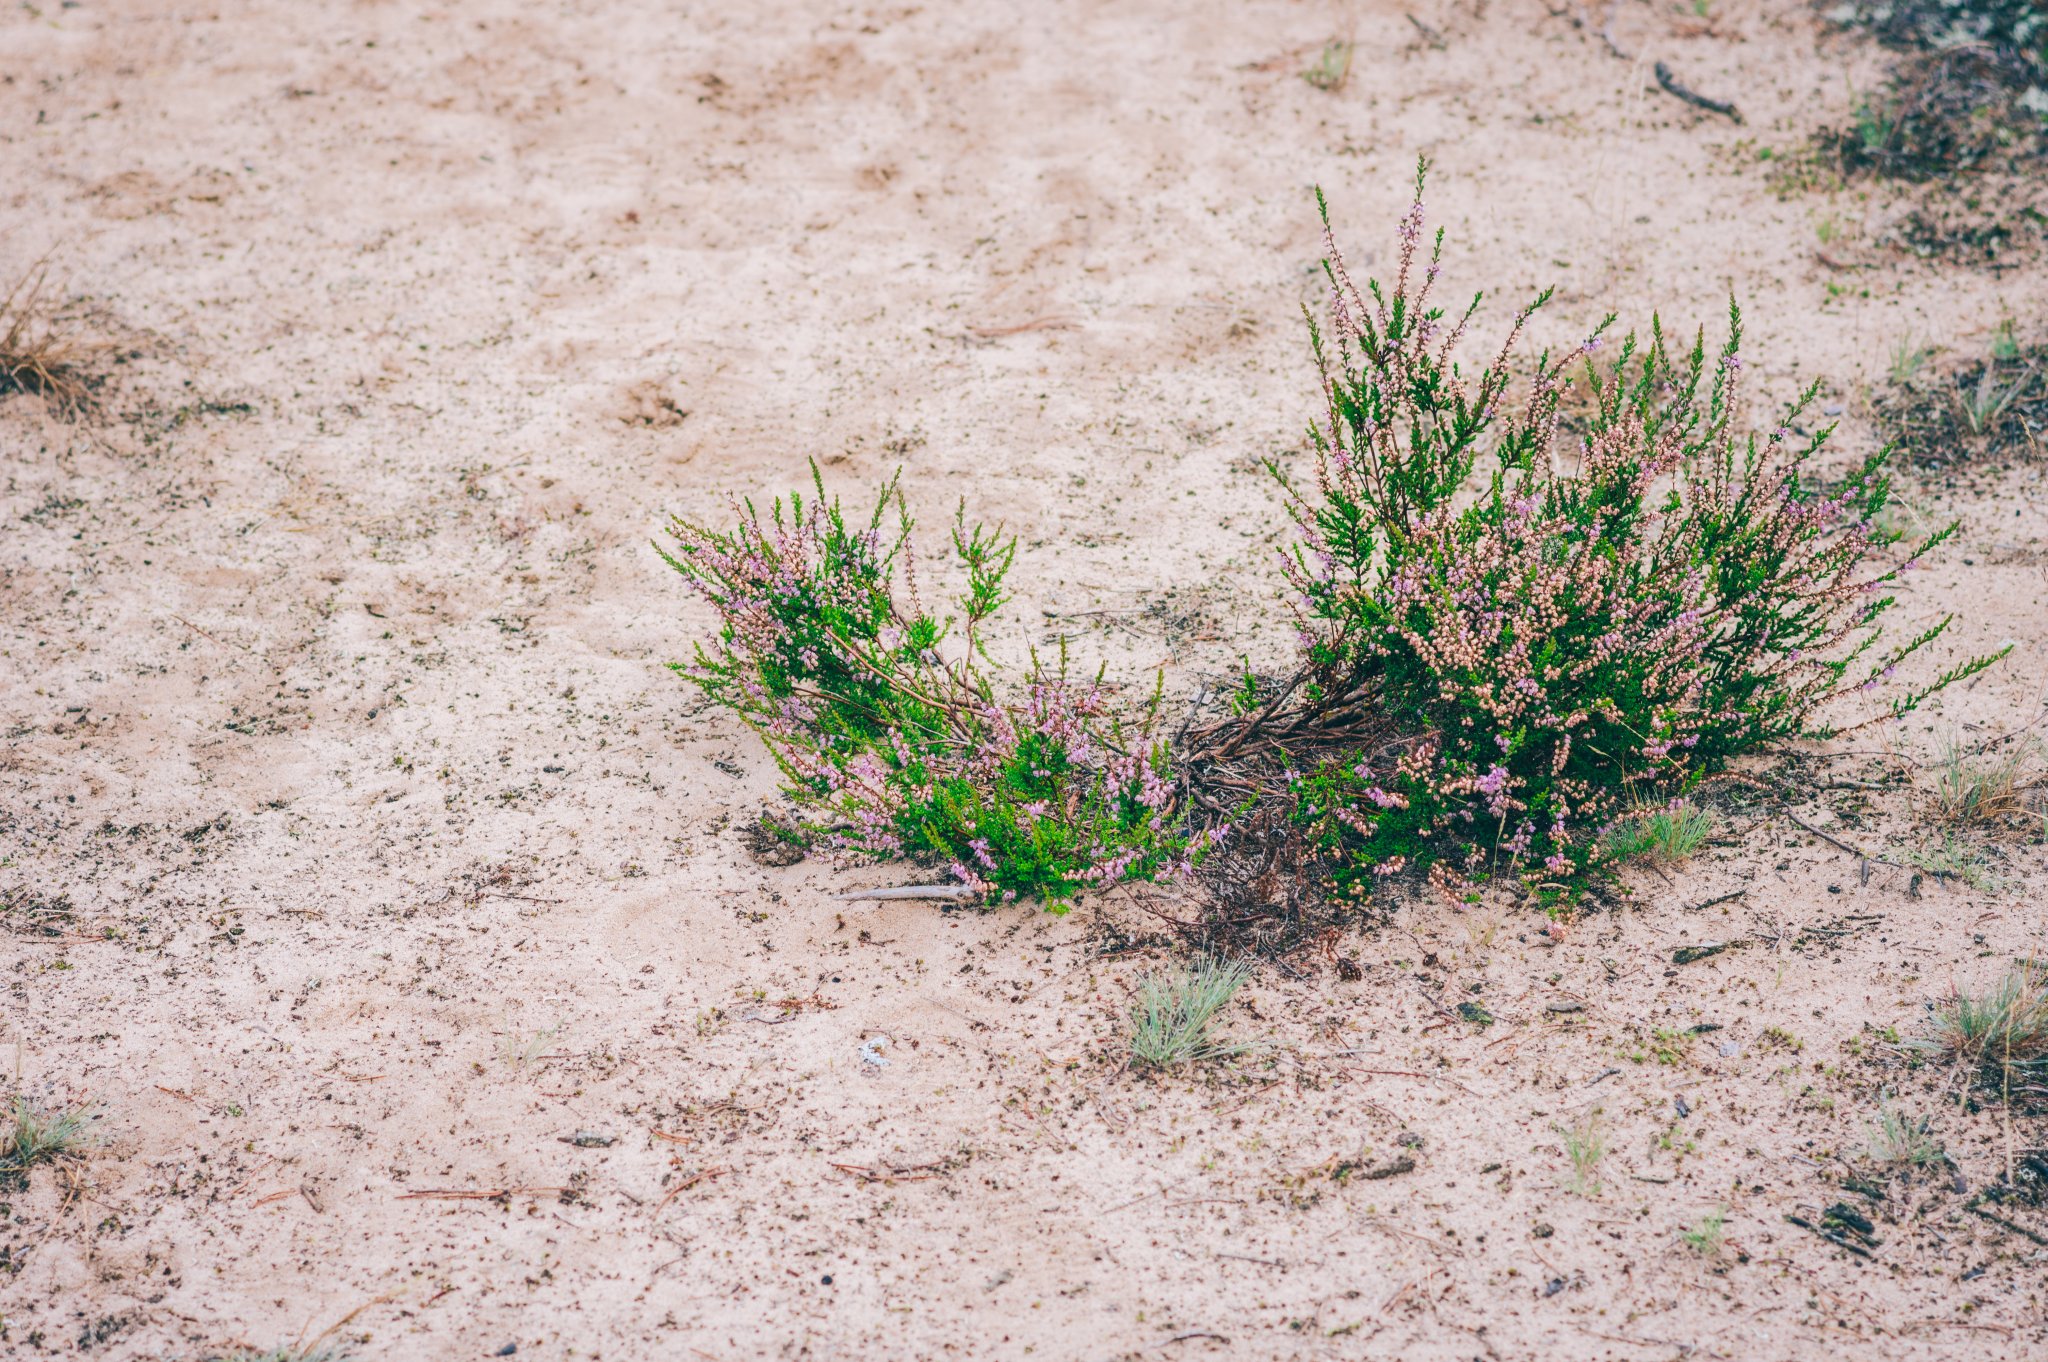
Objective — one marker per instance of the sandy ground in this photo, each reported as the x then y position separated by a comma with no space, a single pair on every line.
330,677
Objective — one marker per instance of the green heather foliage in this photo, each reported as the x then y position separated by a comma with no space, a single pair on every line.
888,718
1557,622
1563,625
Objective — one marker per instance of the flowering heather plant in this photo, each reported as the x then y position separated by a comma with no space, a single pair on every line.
884,716
1600,620
1513,630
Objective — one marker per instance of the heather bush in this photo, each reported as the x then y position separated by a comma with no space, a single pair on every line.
887,719
1558,626
1514,628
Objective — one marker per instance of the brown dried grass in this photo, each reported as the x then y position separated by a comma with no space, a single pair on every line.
43,349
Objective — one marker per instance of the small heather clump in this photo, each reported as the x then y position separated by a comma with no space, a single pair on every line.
1611,617
887,720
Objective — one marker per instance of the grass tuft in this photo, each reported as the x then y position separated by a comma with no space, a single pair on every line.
1667,835
1585,1144
1973,788
40,352
1705,1237
1896,1138
2000,1035
1170,1021
43,1133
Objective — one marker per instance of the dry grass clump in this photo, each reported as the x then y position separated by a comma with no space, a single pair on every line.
42,350
1975,787
1992,408
2000,1036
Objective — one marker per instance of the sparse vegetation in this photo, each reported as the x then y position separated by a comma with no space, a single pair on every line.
1705,1238
1899,1139
1964,92
287,1353
1975,787
1665,835
1991,408
1585,1144
1175,1008
519,1050
2000,1036
43,1133
1670,1045
35,914
1956,857
41,350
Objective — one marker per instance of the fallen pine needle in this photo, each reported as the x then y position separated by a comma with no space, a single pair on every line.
686,1184
867,1174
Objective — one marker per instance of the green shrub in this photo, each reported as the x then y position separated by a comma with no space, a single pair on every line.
886,718
1557,628
1511,632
